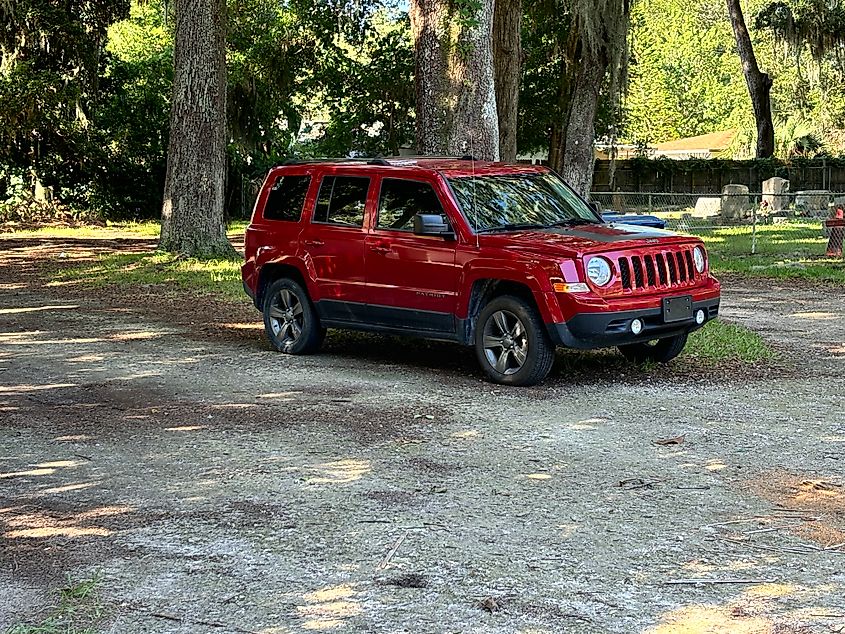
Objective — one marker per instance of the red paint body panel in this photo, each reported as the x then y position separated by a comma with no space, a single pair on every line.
399,269
410,271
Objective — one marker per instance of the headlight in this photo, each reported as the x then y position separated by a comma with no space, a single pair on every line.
598,270
698,256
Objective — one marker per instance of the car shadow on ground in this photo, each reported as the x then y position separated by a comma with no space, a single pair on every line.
459,363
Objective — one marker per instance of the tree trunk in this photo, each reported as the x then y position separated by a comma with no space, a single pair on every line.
759,83
566,79
192,218
507,67
580,131
456,99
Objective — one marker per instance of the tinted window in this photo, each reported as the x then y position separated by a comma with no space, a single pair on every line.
342,200
401,200
287,198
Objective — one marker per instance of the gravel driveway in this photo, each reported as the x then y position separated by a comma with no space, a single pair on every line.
383,486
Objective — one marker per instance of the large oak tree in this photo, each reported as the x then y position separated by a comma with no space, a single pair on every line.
192,218
456,99
507,67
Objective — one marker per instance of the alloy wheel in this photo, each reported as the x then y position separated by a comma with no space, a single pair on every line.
505,342
286,317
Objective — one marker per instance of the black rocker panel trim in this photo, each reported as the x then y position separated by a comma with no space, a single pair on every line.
355,315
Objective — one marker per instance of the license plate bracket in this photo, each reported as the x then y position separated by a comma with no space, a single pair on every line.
677,308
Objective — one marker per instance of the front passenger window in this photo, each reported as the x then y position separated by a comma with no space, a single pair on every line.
401,200
342,200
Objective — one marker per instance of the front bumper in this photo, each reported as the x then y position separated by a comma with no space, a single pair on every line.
608,329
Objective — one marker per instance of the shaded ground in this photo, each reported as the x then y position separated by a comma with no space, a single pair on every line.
383,486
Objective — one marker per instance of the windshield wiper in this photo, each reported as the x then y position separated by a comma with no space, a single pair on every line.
572,222
513,227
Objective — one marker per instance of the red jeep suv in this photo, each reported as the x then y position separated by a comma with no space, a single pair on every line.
504,258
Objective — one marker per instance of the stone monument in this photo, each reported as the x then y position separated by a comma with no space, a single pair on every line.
734,202
773,194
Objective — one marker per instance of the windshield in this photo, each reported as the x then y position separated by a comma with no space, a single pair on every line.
519,201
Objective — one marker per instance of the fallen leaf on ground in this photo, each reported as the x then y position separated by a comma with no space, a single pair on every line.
677,440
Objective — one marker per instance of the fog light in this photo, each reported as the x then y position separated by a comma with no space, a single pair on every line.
699,317
636,326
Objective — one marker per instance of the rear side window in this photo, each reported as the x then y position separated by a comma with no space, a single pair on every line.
287,197
401,200
342,200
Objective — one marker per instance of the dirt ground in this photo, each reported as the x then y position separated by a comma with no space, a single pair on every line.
383,486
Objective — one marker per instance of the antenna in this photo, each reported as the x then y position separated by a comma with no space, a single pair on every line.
471,158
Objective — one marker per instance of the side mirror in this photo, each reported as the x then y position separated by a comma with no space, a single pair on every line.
433,225
595,207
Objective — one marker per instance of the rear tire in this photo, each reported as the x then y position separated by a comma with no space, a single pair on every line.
659,351
511,342
290,321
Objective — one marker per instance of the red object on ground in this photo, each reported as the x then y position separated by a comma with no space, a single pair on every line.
836,228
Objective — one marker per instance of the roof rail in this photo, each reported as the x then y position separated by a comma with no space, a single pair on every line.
345,159
453,157
378,160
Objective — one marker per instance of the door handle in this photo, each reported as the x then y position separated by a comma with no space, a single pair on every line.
313,243
381,249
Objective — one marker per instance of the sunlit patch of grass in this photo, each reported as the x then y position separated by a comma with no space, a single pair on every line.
123,229
218,277
718,342
788,239
77,612
723,341
793,250
819,269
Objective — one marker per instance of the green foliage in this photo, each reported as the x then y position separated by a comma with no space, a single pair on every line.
132,117
762,168
466,19
685,76
545,31
817,24
85,97
555,38
52,58
367,93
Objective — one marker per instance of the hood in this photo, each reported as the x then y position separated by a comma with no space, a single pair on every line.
571,241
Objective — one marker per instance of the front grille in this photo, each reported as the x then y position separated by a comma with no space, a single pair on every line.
663,269
625,272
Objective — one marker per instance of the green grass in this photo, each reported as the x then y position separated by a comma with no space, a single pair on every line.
219,277
77,611
827,270
794,250
794,239
724,341
144,229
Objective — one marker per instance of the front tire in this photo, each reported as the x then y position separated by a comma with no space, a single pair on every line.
290,321
658,351
512,344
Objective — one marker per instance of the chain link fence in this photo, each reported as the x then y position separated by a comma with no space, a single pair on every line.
789,225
